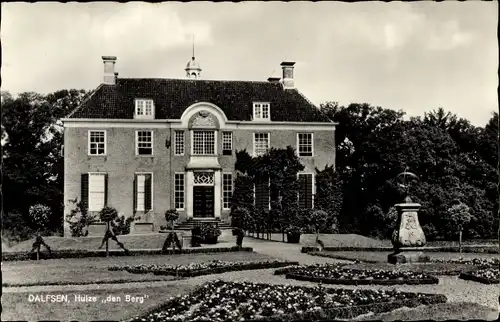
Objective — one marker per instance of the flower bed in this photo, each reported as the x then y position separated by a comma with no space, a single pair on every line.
197,269
481,262
338,274
231,301
70,253
487,275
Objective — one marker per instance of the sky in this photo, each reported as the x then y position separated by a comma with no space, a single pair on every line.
414,56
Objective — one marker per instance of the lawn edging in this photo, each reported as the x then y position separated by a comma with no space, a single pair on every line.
326,280
474,278
488,249
58,254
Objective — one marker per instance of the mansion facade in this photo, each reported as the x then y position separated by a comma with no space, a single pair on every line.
144,146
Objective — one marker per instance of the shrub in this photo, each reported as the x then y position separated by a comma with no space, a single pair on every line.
292,230
121,226
209,231
108,214
171,216
40,215
79,219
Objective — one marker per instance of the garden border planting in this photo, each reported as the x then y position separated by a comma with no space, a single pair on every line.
488,249
330,313
326,280
22,256
210,270
327,255
474,278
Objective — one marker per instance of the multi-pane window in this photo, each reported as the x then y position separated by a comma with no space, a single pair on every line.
262,194
227,190
227,143
179,191
261,111
306,185
203,142
305,144
179,143
144,142
143,191
97,191
261,143
97,142
143,107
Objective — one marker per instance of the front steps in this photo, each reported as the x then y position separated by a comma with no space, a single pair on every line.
190,223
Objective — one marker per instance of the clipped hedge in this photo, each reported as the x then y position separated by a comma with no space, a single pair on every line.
487,249
474,278
58,254
326,280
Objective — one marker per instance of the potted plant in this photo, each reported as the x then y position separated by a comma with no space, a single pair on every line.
172,239
171,216
210,233
293,234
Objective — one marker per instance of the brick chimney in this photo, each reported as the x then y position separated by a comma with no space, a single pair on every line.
109,70
288,82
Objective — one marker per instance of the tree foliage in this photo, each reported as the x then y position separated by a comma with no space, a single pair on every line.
32,162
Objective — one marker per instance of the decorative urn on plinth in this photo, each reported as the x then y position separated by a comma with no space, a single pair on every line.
408,238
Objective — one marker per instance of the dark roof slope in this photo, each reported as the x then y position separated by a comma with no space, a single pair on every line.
172,96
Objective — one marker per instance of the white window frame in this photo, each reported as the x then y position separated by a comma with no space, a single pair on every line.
224,191
313,183
215,142
137,143
105,142
258,111
179,134
312,145
268,141
137,174
143,114
89,192
230,142
183,190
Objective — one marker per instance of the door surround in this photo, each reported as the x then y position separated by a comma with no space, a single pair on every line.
203,177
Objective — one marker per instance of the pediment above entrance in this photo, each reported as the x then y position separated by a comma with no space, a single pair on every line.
203,120
204,115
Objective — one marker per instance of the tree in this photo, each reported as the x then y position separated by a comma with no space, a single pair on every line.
318,219
32,161
329,194
457,217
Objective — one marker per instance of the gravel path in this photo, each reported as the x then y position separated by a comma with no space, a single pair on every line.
456,290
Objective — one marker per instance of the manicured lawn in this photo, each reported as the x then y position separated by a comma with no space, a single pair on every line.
148,241
95,269
437,312
16,306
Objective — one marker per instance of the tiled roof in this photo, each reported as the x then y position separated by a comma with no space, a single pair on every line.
172,96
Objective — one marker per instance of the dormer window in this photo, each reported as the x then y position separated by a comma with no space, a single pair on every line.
144,109
261,111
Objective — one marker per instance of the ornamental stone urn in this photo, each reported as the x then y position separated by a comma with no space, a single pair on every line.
408,238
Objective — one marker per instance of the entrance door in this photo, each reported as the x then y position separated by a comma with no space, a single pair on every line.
203,201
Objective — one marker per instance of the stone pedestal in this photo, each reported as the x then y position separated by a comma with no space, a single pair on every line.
408,237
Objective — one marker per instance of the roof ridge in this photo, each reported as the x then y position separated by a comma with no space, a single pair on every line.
317,107
85,100
196,80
